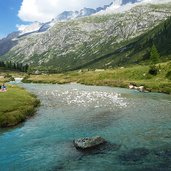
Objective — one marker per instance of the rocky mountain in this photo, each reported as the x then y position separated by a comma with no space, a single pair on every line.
88,40
129,1
138,49
7,43
36,27
68,15
45,26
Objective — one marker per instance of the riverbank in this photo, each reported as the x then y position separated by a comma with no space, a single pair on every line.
16,105
119,77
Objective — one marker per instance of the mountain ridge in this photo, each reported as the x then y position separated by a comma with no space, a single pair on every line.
76,43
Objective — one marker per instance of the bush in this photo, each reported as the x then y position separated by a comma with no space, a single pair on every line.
168,75
153,70
9,77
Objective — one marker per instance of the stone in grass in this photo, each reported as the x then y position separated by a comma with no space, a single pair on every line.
89,143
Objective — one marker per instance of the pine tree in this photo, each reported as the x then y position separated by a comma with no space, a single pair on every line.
154,54
2,64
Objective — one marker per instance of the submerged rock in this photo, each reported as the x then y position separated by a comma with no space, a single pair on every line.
87,143
134,155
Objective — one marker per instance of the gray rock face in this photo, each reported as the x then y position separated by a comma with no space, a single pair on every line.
7,43
87,143
129,1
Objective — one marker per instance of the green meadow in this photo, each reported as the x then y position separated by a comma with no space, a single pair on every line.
118,77
16,105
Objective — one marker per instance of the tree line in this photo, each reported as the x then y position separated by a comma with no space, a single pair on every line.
14,66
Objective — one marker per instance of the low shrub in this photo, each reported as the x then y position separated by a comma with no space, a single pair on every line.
168,75
9,77
153,70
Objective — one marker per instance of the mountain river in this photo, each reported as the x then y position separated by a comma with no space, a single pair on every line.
136,125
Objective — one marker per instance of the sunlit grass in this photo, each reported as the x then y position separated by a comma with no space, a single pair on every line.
16,104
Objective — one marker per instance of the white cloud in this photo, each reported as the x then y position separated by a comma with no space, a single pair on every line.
45,10
156,1
21,27
118,8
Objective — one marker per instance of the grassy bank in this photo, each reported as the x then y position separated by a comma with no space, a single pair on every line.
119,77
16,105
16,73
7,75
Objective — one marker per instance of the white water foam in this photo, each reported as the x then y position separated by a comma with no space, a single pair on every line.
87,98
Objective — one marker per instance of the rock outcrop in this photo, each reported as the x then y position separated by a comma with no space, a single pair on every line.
88,143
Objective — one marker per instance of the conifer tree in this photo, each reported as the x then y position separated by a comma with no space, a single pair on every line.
154,55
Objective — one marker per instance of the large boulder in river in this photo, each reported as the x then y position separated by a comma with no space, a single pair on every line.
89,143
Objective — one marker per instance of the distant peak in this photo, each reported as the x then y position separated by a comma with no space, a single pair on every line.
67,15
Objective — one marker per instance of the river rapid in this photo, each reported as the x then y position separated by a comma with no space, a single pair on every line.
136,125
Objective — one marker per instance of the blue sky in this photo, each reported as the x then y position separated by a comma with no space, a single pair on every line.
8,16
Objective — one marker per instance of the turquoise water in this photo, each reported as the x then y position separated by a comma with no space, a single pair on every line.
136,125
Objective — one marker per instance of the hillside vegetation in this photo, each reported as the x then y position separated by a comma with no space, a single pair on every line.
138,50
135,51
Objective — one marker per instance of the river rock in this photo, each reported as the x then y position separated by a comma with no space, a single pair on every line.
140,88
87,143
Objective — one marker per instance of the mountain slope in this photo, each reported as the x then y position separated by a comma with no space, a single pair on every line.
7,43
88,41
138,50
